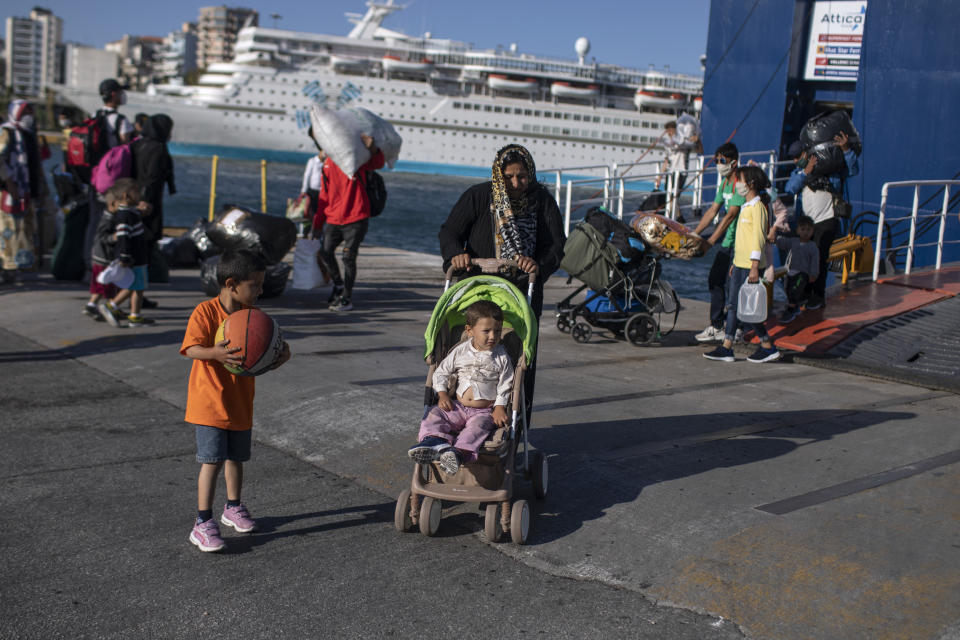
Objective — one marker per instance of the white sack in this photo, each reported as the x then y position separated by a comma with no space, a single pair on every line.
382,132
338,134
688,126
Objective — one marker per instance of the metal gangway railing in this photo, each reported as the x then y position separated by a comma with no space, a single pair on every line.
916,215
619,183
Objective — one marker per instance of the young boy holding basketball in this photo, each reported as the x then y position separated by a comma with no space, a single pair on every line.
219,403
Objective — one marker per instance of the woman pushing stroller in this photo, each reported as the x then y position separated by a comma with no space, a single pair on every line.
453,431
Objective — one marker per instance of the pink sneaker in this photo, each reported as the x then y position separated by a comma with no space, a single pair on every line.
239,518
206,535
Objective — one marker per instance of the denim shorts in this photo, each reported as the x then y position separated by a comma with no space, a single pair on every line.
139,278
216,445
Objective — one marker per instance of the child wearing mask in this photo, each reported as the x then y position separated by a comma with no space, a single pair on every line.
749,259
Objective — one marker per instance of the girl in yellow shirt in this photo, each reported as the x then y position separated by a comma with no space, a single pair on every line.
749,259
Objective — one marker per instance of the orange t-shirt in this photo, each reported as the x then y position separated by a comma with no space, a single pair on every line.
215,397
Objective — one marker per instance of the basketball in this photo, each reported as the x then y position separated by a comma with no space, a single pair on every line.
259,338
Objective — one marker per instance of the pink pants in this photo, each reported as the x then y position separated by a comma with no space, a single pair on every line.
464,427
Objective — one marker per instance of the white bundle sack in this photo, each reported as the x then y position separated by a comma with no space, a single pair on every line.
338,134
688,126
382,132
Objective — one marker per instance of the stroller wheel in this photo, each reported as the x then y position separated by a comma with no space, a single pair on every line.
563,324
430,516
581,332
640,329
401,515
520,522
540,475
491,523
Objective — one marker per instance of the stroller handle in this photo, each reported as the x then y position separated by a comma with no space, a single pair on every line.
494,266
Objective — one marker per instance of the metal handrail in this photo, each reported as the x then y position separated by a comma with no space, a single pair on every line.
914,215
558,182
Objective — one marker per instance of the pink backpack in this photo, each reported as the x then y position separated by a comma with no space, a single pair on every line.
116,163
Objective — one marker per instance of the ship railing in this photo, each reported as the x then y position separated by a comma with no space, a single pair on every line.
703,162
614,202
558,178
916,214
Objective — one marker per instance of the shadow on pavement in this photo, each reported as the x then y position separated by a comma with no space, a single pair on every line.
595,466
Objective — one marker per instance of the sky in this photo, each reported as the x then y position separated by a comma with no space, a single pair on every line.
633,33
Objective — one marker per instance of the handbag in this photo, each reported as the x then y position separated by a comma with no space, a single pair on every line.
841,208
297,209
307,274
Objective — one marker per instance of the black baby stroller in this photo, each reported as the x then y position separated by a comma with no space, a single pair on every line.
506,455
624,291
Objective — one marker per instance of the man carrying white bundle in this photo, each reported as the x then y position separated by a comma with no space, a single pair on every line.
342,215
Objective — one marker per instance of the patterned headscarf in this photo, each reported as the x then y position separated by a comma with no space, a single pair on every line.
515,219
16,156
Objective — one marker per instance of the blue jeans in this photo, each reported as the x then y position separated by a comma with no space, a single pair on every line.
717,282
737,277
214,445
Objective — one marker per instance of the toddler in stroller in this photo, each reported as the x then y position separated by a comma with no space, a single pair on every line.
621,276
471,455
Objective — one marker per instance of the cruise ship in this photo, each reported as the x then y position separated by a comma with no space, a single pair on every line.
454,105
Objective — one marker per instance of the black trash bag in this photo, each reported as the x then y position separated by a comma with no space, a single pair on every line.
816,137
208,276
157,268
68,262
616,232
180,252
275,280
203,243
240,228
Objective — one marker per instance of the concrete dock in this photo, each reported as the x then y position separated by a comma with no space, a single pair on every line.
779,500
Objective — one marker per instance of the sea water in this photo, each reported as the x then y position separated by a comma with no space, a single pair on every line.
417,204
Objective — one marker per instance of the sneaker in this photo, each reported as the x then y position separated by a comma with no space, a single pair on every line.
206,535
139,321
789,315
710,334
815,302
721,353
449,461
90,309
341,304
238,517
738,337
427,450
149,304
764,355
109,313
335,294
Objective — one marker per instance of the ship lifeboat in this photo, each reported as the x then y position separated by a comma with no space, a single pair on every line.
393,64
697,104
657,100
503,83
567,90
347,64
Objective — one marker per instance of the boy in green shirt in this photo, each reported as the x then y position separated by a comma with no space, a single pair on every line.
727,200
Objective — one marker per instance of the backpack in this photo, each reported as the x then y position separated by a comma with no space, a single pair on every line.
115,164
88,143
376,193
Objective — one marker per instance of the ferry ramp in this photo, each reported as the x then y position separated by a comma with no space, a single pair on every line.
793,501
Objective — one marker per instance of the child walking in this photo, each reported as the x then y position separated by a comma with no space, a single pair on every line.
219,403
123,200
102,254
749,259
803,264
453,431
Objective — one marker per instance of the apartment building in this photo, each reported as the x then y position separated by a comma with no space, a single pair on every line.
217,29
32,51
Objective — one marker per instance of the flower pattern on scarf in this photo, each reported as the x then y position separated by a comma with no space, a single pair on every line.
515,220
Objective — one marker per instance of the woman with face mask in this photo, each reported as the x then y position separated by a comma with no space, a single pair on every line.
23,187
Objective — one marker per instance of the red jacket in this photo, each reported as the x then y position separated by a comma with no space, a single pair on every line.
343,200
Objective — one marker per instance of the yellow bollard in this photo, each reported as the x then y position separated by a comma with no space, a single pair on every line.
263,186
213,187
